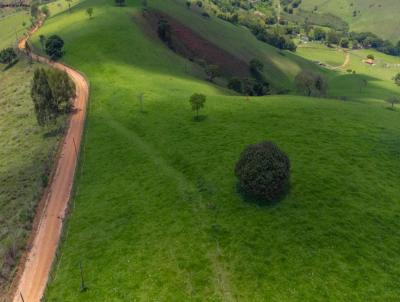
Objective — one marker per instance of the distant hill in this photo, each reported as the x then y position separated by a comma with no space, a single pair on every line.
378,16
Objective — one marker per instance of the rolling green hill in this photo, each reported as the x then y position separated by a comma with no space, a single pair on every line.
156,215
379,17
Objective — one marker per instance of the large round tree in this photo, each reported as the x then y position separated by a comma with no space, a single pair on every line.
263,171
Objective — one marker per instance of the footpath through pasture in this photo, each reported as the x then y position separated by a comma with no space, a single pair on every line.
35,267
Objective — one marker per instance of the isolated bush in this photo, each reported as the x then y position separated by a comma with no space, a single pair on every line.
397,79
7,56
54,47
263,171
371,57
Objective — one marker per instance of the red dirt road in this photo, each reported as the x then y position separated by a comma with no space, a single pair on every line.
33,274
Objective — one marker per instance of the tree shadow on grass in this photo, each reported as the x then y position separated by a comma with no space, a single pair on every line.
8,66
54,132
249,198
200,118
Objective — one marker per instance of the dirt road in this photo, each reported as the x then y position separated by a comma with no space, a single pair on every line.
33,274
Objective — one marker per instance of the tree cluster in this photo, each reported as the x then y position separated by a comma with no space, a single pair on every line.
311,84
255,86
52,92
273,38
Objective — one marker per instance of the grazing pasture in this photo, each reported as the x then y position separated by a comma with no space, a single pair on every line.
156,213
378,16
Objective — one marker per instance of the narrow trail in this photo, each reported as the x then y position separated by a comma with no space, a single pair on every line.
346,61
35,267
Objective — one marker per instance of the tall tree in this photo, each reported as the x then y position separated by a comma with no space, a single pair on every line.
42,97
62,89
51,92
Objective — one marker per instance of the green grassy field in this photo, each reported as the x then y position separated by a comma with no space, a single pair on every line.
279,67
380,84
379,17
11,26
156,214
25,157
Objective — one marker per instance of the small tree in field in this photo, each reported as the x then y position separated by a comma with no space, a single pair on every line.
393,100
89,12
188,4
397,79
197,101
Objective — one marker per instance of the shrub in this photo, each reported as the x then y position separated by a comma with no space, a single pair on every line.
7,56
263,171
54,47
235,84
397,79
164,32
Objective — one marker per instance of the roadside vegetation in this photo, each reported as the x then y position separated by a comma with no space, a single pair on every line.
28,150
26,155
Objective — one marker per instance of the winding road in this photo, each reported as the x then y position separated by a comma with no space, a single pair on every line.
33,272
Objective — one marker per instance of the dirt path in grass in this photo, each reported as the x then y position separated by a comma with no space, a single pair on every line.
34,269
346,61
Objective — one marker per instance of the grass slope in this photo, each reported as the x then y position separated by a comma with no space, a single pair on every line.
379,17
11,26
279,67
380,84
25,156
156,214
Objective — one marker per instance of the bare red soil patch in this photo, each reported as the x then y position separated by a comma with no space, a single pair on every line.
193,46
